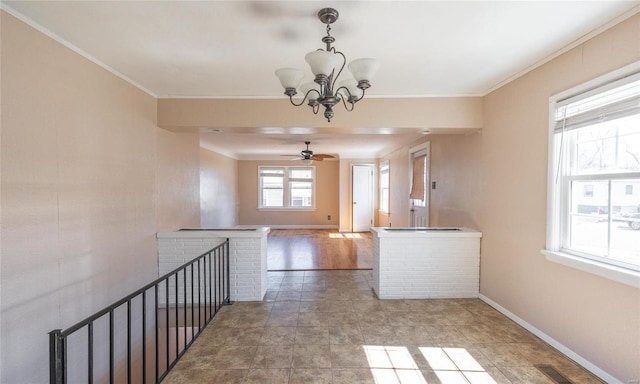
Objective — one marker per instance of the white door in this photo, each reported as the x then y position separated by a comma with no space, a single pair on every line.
362,198
419,199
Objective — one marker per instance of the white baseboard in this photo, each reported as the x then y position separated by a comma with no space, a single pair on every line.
553,342
343,230
301,226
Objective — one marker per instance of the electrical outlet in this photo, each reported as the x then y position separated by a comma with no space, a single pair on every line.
328,217
634,381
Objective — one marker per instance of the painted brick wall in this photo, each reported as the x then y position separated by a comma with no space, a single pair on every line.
247,266
412,268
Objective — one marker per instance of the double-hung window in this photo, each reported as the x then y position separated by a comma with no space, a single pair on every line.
384,186
286,187
594,176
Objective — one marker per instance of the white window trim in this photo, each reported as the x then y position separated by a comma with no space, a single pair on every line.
553,251
287,189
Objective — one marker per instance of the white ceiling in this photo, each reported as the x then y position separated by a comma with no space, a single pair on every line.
229,49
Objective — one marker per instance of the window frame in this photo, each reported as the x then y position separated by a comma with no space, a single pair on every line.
559,194
287,181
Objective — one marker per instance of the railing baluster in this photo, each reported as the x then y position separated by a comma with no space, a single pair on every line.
144,337
222,287
193,320
199,300
210,276
228,276
177,320
204,282
166,306
111,348
210,282
90,353
215,285
157,335
184,303
129,341
219,300
57,353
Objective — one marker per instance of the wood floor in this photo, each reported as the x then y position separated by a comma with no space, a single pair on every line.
318,249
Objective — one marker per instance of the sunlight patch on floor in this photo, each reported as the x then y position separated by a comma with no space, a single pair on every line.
395,365
454,365
345,236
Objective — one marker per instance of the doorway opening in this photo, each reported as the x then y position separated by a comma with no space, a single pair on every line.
361,197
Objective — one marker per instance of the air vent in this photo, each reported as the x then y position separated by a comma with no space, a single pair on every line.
553,374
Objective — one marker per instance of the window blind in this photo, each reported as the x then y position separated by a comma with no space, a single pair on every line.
615,100
417,186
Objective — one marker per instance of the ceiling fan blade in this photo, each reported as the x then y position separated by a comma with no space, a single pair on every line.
322,156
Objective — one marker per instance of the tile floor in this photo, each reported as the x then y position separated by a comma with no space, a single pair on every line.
329,327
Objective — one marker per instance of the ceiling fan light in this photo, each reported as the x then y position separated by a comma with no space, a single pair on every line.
290,77
307,161
364,69
321,62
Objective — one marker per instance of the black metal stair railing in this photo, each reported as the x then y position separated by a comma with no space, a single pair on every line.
119,344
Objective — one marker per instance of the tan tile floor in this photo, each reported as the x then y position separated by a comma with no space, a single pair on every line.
329,327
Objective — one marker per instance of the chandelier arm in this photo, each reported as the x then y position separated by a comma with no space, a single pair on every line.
344,62
315,109
345,103
304,99
351,95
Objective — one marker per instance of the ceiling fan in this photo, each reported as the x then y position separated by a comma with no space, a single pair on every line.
307,156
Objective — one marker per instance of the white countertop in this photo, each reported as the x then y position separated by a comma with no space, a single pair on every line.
414,232
233,232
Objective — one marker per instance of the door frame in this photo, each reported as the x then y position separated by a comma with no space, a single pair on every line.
372,184
426,146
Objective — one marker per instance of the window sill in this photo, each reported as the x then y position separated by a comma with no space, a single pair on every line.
286,209
611,272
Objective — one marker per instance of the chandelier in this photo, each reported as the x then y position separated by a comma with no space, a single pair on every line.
327,65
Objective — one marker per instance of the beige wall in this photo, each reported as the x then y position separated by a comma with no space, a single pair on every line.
177,180
327,176
454,166
399,185
87,179
434,112
597,318
218,190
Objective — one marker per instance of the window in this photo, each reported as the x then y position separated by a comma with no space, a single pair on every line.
286,187
384,186
594,169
